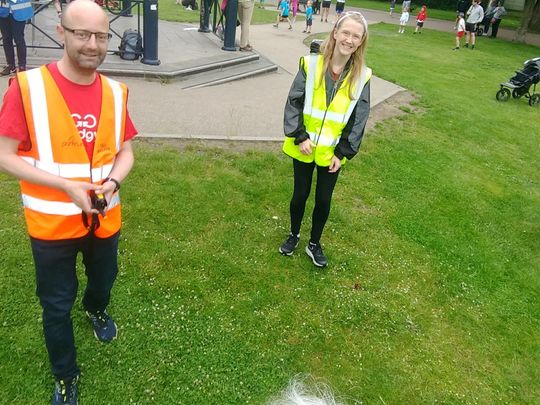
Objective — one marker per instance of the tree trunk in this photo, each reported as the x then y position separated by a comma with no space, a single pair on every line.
525,20
534,24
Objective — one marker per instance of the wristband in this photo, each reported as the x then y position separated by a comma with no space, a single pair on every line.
117,184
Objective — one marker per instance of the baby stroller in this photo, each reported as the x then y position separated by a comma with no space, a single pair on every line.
521,83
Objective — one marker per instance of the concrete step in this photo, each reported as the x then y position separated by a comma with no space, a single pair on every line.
230,73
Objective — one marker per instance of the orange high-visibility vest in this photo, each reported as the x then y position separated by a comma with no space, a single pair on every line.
57,148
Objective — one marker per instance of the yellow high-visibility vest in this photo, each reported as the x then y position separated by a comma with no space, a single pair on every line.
323,123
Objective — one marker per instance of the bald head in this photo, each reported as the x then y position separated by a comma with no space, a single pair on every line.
85,12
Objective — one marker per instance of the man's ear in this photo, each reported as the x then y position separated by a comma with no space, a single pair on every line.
60,31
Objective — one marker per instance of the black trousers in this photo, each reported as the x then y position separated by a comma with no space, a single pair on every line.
495,28
13,30
303,176
57,284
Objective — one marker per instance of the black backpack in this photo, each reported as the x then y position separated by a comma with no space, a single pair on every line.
131,45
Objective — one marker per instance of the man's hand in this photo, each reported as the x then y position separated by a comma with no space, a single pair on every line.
107,189
334,165
305,147
78,192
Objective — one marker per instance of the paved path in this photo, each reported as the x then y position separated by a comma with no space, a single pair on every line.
242,110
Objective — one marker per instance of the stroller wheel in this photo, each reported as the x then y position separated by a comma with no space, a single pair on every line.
503,95
534,100
516,93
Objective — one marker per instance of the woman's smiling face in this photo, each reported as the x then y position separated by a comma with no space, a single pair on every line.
348,36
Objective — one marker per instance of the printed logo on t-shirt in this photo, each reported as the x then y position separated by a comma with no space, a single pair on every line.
87,126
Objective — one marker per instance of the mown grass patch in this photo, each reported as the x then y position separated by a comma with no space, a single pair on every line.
430,297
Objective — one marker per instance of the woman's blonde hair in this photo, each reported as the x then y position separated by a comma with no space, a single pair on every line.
357,58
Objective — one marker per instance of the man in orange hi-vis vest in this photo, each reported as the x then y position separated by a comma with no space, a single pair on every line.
65,132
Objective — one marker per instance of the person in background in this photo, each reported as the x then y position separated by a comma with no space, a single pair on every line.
392,6
245,12
316,7
325,10
420,19
283,13
294,9
340,6
333,85
461,7
309,17
13,17
460,30
406,5
488,15
65,133
500,11
475,15
403,20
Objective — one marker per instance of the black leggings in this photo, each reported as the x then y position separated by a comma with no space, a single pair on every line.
303,175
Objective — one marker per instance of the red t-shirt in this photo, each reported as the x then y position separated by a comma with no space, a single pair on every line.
83,101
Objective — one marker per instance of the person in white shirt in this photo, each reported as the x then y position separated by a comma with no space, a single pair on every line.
475,15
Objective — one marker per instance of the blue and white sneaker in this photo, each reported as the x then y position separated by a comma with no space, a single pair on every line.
65,392
105,329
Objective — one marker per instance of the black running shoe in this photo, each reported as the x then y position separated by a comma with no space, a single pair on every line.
315,252
287,248
65,392
8,70
105,329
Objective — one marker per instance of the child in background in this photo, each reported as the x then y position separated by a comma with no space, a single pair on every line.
283,14
460,27
392,6
309,17
294,9
403,20
422,16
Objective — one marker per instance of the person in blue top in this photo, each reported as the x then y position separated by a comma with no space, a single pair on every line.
309,17
283,14
13,17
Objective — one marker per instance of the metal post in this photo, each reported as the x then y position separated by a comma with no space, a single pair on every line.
231,16
206,6
150,31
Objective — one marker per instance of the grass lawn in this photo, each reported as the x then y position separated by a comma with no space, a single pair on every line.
170,11
432,291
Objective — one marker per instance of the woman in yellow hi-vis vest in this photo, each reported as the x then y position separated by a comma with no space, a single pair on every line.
325,116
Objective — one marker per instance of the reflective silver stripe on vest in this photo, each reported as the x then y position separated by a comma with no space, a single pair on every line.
357,93
323,140
101,173
330,115
20,6
40,115
118,102
70,170
58,208
310,84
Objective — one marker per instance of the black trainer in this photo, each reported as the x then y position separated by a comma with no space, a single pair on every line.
8,70
105,329
287,248
316,253
65,392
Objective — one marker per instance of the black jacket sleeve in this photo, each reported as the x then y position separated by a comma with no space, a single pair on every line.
293,121
351,137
